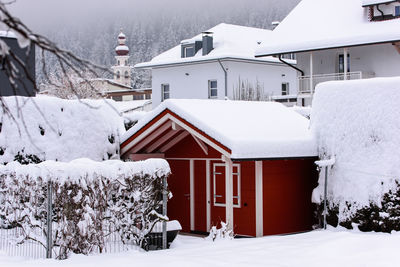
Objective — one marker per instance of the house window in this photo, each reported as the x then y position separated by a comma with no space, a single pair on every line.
219,185
341,63
117,98
289,56
397,11
212,89
285,88
126,74
164,91
118,75
188,51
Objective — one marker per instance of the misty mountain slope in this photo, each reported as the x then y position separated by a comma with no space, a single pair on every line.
90,29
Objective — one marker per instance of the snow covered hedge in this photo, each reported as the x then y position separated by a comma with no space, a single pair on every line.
48,128
90,201
358,122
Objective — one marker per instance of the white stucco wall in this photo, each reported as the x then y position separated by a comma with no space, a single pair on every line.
191,81
270,77
376,60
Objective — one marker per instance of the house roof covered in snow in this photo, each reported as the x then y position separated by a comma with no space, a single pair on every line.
324,24
8,34
376,2
230,41
110,81
250,130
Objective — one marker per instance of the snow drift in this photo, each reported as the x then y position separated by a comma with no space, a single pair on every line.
49,128
357,123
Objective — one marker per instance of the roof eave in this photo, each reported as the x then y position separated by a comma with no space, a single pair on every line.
323,48
210,60
387,2
275,158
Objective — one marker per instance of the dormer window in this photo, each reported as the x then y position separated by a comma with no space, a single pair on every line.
188,51
190,48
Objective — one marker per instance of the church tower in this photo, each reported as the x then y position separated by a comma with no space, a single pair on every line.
122,70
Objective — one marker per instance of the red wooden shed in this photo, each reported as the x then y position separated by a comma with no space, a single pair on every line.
250,164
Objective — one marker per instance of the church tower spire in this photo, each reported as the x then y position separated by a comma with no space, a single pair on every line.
122,70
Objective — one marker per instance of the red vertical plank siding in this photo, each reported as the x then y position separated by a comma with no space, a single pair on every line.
188,148
200,197
287,188
179,185
244,217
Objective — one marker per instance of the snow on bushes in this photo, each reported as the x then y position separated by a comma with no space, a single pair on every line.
90,201
49,128
358,122
223,233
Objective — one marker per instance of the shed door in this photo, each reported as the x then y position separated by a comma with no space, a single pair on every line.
179,185
218,192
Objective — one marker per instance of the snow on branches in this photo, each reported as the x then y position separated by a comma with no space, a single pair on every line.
90,200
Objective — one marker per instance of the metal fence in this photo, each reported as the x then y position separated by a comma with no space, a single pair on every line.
13,239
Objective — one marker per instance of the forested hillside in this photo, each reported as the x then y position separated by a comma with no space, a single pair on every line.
151,27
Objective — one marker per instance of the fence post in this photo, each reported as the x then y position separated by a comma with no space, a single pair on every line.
49,241
164,224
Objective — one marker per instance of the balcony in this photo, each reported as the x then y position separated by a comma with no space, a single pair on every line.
308,82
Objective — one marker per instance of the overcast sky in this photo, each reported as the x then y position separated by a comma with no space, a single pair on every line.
44,14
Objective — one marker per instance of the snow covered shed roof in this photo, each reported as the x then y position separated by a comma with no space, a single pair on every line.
323,24
230,41
246,130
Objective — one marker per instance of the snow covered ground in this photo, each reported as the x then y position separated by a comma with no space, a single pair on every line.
317,248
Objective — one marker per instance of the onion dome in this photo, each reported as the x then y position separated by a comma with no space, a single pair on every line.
122,49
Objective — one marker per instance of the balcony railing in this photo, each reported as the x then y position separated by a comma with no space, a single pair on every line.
305,81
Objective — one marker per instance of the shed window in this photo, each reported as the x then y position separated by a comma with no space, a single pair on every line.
164,92
212,89
397,11
219,185
285,88
188,51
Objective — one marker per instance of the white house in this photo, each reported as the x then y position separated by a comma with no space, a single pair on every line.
339,39
220,64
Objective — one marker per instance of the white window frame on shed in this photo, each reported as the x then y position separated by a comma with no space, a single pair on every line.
234,174
211,89
285,88
165,94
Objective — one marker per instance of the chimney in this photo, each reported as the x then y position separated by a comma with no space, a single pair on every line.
275,24
208,43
